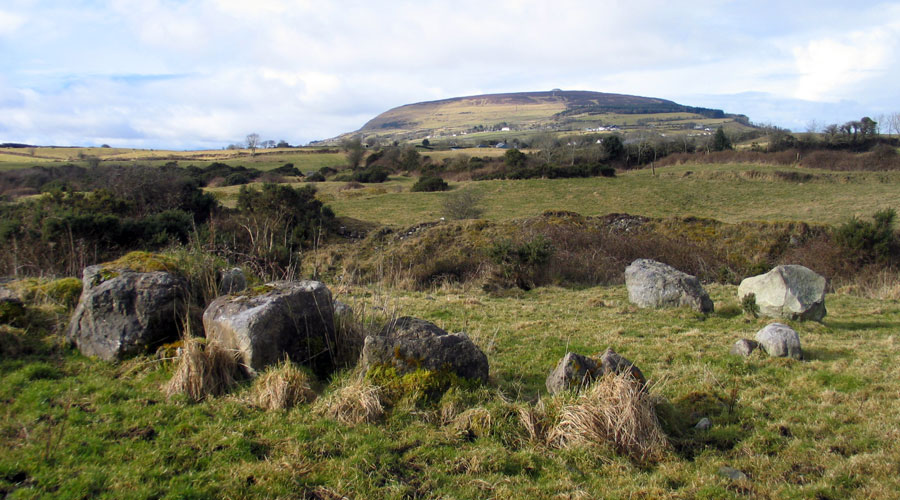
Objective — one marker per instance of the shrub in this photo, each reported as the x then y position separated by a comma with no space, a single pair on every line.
315,177
749,305
430,184
370,175
463,204
523,264
870,241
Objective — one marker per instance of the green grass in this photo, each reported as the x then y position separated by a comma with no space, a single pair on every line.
71,427
721,192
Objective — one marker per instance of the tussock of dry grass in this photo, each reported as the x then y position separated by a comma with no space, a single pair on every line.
357,401
204,370
614,411
534,420
282,387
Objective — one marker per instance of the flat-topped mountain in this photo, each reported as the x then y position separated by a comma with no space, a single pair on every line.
556,110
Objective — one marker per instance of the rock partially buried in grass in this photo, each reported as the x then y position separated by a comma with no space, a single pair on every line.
278,319
790,292
578,371
744,347
122,313
655,285
409,344
780,340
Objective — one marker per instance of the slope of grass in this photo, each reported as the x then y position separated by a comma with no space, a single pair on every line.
826,427
722,192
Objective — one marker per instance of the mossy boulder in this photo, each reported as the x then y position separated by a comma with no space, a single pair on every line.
12,311
409,344
122,313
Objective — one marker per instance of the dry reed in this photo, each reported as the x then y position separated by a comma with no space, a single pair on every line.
282,387
356,401
615,411
204,370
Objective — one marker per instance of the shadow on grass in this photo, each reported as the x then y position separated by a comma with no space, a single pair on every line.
821,354
853,326
678,419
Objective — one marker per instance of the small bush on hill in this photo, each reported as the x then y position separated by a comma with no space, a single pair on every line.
463,204
430,184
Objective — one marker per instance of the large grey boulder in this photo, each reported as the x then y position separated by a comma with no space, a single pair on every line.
578,371
265,324
780,340
122,313
408,344
790,292
654,284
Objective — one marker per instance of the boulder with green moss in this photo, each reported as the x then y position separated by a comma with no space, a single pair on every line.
278,320
122,312
410,344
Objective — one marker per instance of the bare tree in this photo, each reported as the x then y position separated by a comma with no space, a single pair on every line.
252,142
354,150
893,123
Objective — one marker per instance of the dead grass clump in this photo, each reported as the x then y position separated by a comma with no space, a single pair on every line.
615,411
356,401
282,387
204,370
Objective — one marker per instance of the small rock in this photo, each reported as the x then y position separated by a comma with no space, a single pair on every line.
572,371
232,281
732,473
744,347
342,309
703,425
780,340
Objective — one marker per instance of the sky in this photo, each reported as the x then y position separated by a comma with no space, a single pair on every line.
190,74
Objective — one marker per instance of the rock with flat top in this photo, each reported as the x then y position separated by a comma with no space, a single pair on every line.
652,284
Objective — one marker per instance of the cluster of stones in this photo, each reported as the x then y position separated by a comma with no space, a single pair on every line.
122,313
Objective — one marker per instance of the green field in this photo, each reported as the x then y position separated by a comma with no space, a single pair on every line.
825,427
730,193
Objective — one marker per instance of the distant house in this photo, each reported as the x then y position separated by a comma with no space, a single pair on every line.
504,129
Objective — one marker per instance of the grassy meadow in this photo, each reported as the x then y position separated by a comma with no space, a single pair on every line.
826,427
729,193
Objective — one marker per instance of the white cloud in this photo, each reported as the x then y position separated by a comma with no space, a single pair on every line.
10,22
829,67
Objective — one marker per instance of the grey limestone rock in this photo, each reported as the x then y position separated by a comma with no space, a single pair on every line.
293,319
122,313
780,340
744,347
790,292
654,284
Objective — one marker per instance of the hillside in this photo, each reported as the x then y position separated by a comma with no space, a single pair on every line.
515,114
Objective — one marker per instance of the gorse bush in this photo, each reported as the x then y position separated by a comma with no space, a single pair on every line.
870,241
271,226
524,264
430,184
